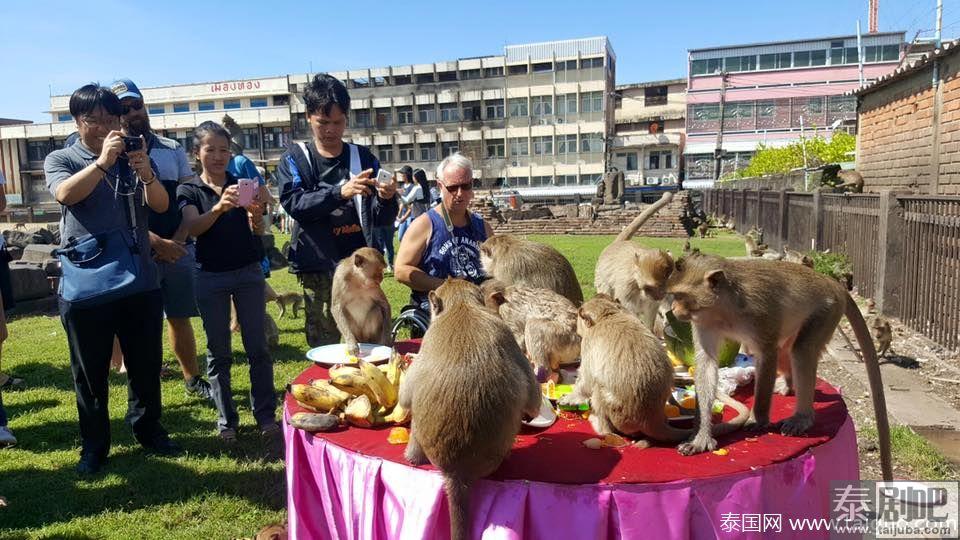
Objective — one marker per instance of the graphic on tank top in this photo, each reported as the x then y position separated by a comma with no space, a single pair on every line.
464,257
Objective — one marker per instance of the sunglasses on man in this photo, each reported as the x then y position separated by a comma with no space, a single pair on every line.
456,187
131,106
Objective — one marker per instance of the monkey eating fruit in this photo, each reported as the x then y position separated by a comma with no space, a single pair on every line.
357,303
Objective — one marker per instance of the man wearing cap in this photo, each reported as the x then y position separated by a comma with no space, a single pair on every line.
172,248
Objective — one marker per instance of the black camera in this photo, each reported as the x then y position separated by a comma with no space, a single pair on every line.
132,144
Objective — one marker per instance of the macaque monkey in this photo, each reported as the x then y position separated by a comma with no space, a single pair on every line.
292,299
357,303
686,248
792,256
626,375
703,229
785,314
871,306
883,334
852,181
516,261
543,323
633,275
467,392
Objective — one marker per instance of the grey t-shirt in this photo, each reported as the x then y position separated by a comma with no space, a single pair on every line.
107,207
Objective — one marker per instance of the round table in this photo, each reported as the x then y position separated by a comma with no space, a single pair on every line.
351,483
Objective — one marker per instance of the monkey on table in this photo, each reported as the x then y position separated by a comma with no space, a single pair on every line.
632,274
517,261
466,392
785,313
358,305
445,241
626,375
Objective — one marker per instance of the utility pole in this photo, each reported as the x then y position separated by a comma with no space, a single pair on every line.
859,53
718,151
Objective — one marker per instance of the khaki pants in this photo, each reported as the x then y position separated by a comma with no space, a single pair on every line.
318,320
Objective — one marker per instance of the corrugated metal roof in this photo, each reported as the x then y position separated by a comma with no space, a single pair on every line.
549,49
900,35
647,84
947,48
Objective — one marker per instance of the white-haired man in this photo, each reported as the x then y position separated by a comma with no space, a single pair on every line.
445,241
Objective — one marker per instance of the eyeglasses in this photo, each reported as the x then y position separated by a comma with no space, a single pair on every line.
103,121
132,106
457,187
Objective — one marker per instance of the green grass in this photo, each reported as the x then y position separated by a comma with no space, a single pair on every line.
212,491
912,451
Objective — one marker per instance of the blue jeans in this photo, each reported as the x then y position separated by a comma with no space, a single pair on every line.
403,228
383,240
3,413
246,286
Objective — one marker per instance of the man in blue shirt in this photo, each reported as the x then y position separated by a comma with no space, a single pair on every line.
172,248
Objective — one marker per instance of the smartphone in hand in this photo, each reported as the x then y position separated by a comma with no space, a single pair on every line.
384,177
247,190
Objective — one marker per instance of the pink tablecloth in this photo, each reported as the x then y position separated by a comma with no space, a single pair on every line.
334,492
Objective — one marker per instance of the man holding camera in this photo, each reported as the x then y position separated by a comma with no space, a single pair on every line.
172,248
330,188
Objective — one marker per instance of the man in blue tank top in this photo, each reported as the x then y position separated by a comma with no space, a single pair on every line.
445,241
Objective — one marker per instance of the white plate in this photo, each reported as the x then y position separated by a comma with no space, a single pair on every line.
331,355
546,418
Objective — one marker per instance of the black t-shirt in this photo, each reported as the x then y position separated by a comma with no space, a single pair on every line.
344,221
165,225
228,244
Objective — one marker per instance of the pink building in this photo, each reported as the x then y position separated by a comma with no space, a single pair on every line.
769,88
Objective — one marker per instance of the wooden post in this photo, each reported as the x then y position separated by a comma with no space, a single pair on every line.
817,221
756,217
742,217
784,215
889,278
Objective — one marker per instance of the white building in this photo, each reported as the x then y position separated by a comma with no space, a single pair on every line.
537,115
649,137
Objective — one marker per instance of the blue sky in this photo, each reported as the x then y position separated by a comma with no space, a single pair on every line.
58,46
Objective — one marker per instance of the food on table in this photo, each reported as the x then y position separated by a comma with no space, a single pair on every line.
672,411
359,412
314,422
320,398
721,451
612,440
399,435
593,444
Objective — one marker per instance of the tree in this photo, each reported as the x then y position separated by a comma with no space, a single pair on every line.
820,151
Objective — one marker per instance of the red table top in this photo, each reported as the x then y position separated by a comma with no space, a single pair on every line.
557,454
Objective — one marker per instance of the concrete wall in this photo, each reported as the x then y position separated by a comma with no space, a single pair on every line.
906,142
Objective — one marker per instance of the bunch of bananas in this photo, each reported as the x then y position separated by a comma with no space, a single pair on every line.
363,395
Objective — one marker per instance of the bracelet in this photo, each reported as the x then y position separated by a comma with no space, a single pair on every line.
154,179
105,172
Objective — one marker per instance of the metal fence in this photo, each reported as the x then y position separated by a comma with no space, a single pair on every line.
904,249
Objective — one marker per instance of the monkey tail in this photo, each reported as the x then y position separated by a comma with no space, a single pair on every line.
876,384
743,414
458,499
638,221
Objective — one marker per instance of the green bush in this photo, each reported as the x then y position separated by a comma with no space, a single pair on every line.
835,265
820,151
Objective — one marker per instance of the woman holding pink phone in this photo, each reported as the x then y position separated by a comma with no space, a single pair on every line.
223,213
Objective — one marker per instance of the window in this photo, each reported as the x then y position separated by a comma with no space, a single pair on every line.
359,83
449,112
385,154
64,117
566,104
566,144
569,65
447,76
519,146
588,63
766,109
471,110
654,95
542,105
543,146
591,102
851,55
705,67
495,148
541,181
428,152
542,67
740,63
205,106
423,78
377,81
384,117
361,118
405,115
231,104
401,79
567,180
517,70
250,138
660,159
406,153
836,52
493,72
494,109
518,107
449,148
591,142
156,109
738,110
258,102
653,160
468,74
705,112
890,53
818,58
775,61
426,114
276,137
801,58
181,107
631,159
38,150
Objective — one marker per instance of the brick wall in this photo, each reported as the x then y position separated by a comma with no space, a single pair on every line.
896,134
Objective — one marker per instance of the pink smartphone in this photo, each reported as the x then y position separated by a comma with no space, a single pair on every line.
247,188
